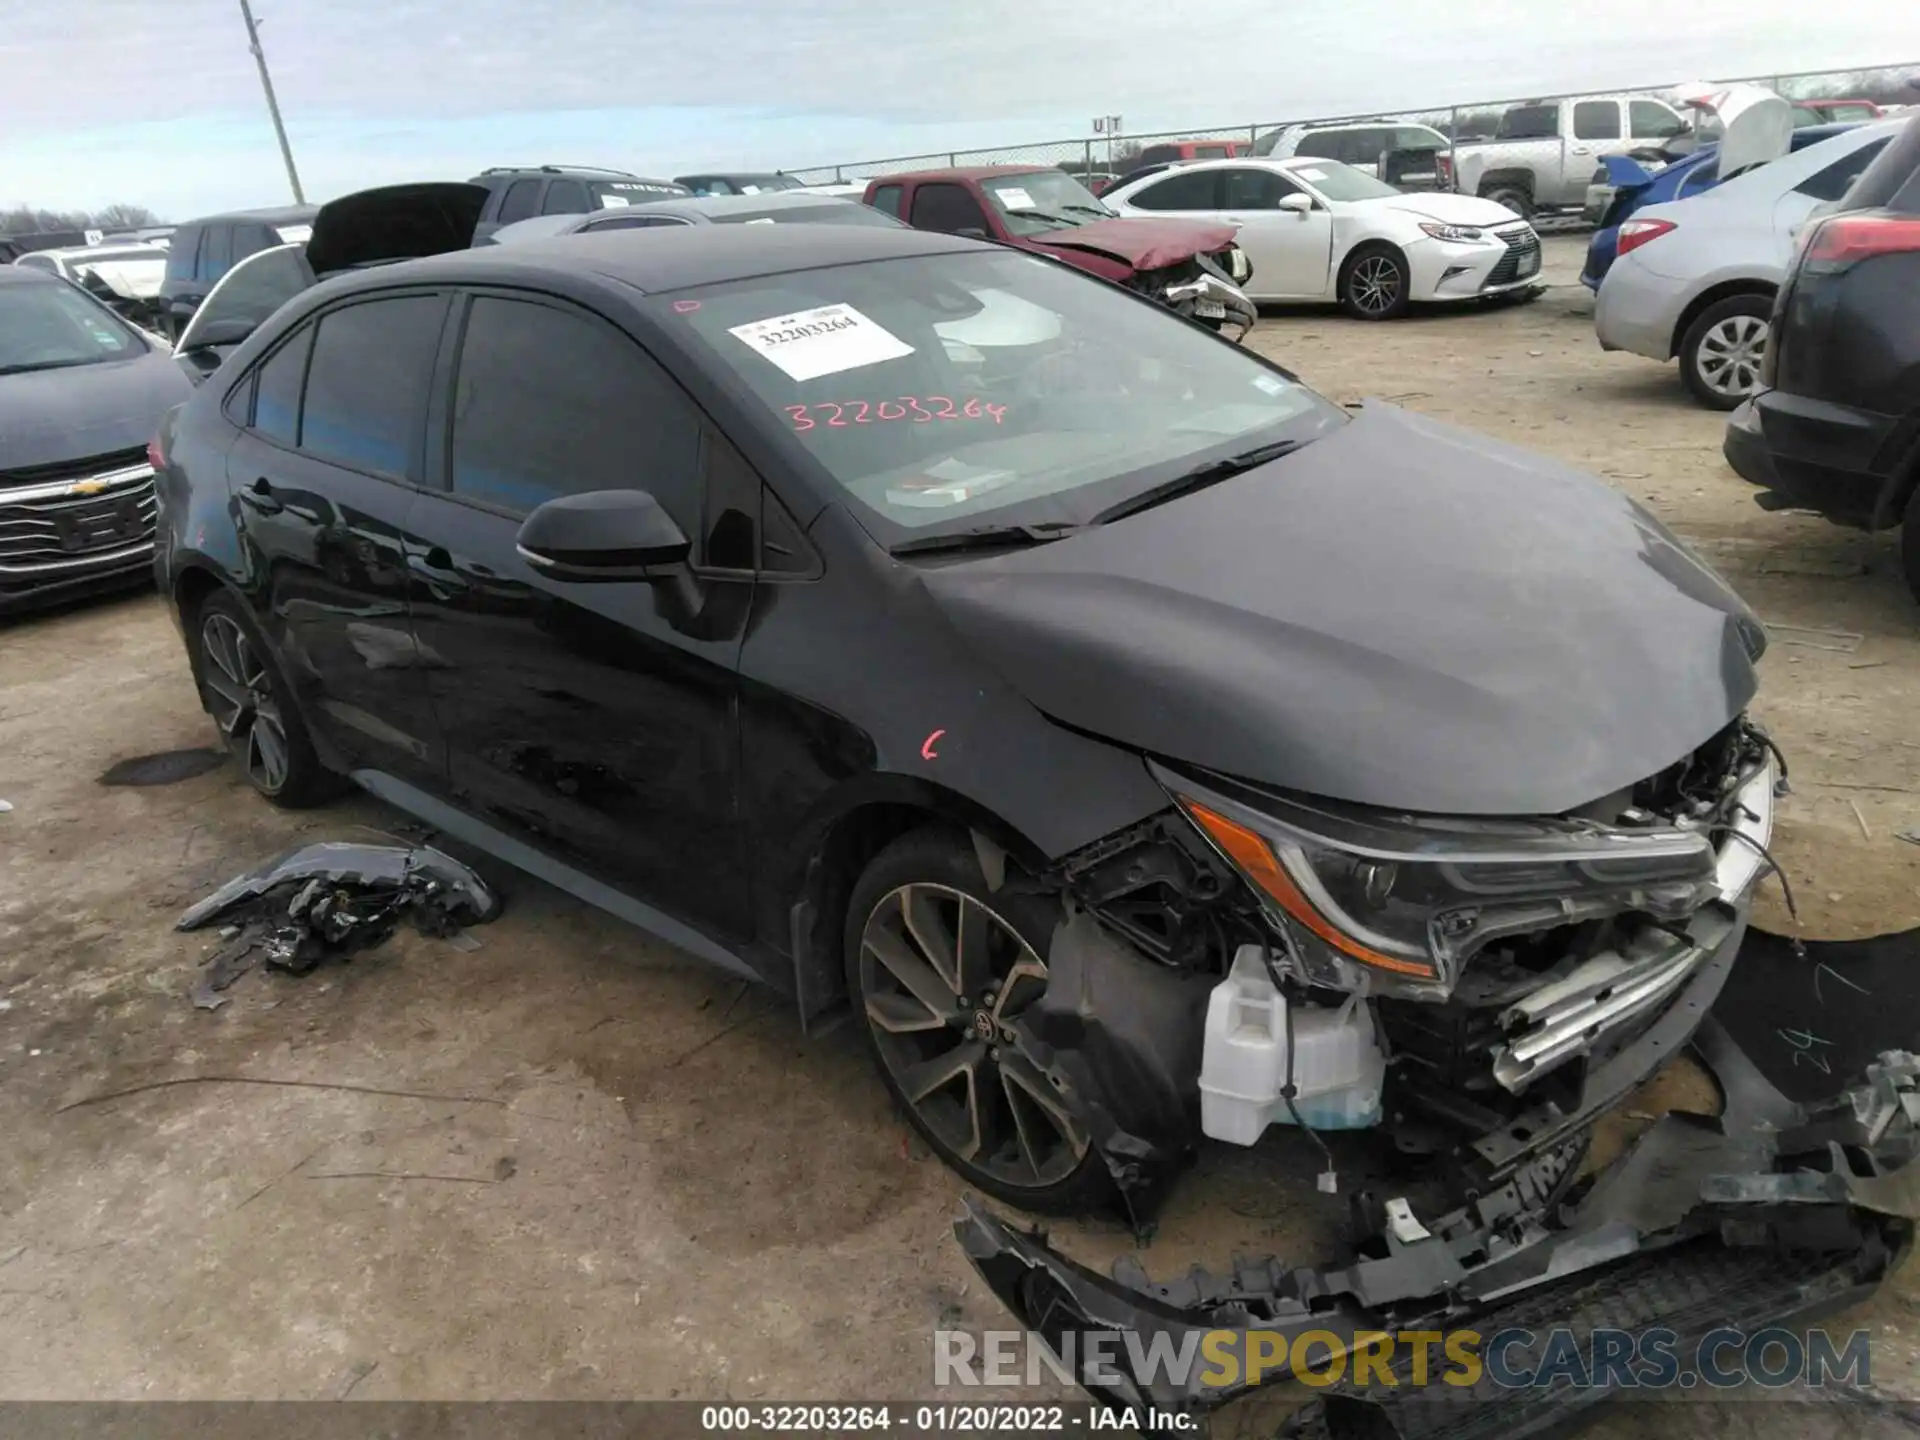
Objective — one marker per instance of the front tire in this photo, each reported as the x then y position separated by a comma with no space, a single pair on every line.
1375,283
938,967
242,689
1722,351
1513,198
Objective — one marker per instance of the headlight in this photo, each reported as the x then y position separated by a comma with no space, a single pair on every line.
1451,232
1396,903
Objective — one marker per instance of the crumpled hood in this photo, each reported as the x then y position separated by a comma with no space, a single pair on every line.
1449,209
131,279
1143,244
51,416
1401,614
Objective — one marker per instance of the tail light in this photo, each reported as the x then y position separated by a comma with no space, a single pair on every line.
156,457
1635,233
1443,169
1845,240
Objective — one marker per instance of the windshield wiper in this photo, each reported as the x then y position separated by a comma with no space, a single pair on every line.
987,537
1098,210
1052,217
1197,478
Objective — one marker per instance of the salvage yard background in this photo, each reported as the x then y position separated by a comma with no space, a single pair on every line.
573,1163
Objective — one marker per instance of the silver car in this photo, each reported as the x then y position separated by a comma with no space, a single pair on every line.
1695,279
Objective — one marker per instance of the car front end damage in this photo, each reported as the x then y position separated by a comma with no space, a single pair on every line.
1488,990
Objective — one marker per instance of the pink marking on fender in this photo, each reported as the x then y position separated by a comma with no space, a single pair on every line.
926,747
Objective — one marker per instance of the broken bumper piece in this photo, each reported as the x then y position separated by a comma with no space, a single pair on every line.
1773,1214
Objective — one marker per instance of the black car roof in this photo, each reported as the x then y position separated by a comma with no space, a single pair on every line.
653,261
272,215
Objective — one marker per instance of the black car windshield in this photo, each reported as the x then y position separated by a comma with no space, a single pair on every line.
1336,180
612,194
1042,200
55,326
937,390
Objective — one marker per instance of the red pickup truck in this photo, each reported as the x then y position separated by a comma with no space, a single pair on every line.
1192,265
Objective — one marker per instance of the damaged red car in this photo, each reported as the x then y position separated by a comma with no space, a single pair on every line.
1191,266
1144,751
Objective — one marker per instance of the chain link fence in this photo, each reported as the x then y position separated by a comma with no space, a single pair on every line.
1113,154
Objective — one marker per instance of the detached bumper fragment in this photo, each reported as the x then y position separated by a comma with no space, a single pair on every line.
1775,1213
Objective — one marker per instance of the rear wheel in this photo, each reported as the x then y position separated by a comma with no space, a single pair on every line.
241,687
1374,283
1722,351
940,967
1513,197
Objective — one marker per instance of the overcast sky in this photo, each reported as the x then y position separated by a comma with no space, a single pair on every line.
157,102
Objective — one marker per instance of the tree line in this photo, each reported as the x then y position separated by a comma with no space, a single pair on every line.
33,219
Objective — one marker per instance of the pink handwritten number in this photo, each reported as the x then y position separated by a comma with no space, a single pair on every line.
835,413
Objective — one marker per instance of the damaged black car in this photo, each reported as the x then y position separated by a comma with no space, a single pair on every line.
1141,746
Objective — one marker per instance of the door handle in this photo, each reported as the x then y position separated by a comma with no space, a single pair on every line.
261,497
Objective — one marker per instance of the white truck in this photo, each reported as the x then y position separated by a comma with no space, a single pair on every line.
1544,153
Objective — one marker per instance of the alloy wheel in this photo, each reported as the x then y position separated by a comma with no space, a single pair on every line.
240,695
1731,354
1374,284
943,978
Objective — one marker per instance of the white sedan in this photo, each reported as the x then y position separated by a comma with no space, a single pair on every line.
1321,230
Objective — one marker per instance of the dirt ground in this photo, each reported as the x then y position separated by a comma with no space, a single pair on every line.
574,1163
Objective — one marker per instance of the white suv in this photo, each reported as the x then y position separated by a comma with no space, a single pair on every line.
1411,157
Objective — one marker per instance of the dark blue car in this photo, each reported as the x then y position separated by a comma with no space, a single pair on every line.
1685,177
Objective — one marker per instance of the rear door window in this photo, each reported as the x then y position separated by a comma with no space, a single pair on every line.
276,392
1320,145
367,383
1252,189
216,252
1530,122
1651,120
887,200
1834,181
184,252
566,197
1596,120
1182,190
518,202
550,402
947,208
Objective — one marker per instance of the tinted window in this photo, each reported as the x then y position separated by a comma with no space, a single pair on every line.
1596,120
1834,181
182,253
367,385
887,200
1253,189
947,208
548,402
1156,154
1212,152
1183,190
1324,144
1699,179
566,197
518,202
251,239
1368,145
276,394
1415,137
1530,122
216,252
1653,121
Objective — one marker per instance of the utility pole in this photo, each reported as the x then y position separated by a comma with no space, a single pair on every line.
273,105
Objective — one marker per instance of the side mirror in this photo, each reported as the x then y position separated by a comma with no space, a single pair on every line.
1297,203
603,535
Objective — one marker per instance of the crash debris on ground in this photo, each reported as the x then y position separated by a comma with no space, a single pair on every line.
330,901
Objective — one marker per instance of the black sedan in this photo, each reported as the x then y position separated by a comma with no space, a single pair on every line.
924,626
1836,426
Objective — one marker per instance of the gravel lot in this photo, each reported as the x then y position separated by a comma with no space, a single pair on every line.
574,1163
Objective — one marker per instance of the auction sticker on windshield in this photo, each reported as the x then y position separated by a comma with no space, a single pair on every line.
1014,197
822,341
